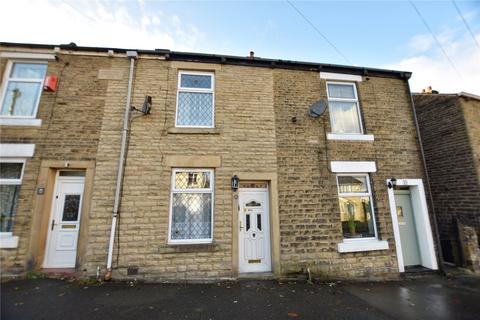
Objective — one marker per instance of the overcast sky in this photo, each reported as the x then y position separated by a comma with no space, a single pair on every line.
384,34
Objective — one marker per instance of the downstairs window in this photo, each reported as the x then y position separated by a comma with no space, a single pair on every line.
191,206
356,209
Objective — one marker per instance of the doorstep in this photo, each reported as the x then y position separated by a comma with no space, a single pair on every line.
61,272
418,271
256,276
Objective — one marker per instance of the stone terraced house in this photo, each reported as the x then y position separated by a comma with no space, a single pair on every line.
243,167
450,128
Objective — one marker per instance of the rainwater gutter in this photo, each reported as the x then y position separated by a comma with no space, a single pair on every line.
132,55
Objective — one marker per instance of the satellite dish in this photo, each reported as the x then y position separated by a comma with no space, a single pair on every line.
317,109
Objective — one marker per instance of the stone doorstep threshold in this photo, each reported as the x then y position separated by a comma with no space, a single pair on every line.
66,272
256,276
418,271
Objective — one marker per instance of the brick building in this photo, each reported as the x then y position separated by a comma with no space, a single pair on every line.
336,193
450,129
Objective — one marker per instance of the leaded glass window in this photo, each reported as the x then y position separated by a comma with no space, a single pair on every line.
195,100
22,89
344,108
191,206
11,173
356,208
71,207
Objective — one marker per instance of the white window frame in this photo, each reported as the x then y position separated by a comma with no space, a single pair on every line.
359,194
21,120
7,239
210,190
357,104
197,90
13,160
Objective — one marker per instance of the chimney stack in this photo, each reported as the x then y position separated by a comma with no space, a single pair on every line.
429,90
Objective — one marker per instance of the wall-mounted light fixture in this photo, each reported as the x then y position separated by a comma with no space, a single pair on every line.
392,183
235,182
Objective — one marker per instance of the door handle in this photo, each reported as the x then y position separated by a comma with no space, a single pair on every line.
241,225
53,224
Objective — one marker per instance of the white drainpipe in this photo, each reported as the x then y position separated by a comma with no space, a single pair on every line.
132,55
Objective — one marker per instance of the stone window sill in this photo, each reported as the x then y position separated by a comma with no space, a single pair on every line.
193,131
350,137
191,247
362,245
8,241
21,122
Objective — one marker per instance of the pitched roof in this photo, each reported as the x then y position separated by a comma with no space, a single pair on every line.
227,59
460,94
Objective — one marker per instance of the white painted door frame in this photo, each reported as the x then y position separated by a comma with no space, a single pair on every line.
266,266
57,205
422,223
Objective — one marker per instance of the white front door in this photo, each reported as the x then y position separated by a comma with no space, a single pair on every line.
64,227
254,231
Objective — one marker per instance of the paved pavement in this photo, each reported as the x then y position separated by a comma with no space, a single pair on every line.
427,298
432,297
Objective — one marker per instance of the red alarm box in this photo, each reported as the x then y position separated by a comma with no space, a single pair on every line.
50,83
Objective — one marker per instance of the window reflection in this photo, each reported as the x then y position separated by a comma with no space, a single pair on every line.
356,212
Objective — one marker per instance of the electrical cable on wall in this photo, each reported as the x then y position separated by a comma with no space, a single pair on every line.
52,108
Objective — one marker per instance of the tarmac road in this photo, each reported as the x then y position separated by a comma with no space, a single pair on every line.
427,298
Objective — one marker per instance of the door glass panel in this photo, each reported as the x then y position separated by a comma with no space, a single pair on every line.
400,214
253,203
254,185
70,207
247,218
259,222
76,173
399,211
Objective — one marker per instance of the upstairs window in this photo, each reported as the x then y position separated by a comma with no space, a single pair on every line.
344,108
195,100
22,89
11,174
